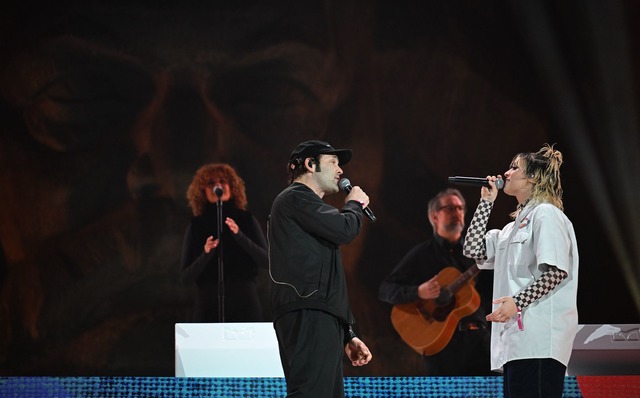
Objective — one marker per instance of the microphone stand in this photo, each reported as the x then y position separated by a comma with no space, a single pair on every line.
220,263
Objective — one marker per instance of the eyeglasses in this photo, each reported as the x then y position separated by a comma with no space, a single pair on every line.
451,208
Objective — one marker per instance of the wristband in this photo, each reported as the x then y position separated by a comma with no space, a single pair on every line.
519,319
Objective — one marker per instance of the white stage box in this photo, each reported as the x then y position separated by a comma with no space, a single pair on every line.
227,350
606,350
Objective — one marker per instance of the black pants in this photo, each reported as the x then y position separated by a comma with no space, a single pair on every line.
534,378
311,351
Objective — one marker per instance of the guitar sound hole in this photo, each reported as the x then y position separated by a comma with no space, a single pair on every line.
424,312
442,311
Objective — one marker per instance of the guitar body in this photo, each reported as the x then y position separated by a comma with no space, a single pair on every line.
427,327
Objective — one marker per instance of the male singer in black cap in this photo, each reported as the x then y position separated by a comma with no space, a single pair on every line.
312,319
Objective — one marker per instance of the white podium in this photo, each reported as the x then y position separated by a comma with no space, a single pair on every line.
227,350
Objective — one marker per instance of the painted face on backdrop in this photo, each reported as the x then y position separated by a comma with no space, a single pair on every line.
106,116
107,111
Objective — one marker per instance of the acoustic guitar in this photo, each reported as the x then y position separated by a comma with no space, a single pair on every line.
427,325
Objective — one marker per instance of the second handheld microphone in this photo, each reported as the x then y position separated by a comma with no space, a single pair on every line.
476,181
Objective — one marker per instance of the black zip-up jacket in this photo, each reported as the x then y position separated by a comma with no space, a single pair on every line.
305,264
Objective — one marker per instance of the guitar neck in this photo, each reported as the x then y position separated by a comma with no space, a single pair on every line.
464,278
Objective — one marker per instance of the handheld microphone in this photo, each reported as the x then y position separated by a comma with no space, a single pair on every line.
345,185
475,181
218,191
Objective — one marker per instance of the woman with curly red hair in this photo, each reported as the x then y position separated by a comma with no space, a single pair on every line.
242,243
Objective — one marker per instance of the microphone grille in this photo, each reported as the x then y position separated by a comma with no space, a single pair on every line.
499,183
344,183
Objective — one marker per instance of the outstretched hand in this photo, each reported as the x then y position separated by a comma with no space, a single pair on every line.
505,312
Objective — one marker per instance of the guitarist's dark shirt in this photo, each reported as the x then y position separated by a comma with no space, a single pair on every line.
422,263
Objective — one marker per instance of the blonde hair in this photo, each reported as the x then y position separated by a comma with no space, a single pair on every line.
542,169
196,192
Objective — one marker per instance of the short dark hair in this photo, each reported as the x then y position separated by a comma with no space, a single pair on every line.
297,168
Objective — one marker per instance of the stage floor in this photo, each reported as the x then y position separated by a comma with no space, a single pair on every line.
396,387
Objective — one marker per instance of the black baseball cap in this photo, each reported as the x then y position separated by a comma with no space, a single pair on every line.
313,148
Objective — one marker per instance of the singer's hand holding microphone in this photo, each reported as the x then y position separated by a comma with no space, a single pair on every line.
356,193
490,185
491,193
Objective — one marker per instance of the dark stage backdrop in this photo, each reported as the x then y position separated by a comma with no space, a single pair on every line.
108,108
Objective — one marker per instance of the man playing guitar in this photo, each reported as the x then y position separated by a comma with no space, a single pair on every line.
437,310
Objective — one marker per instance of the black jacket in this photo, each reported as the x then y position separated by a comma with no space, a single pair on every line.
305,264
242,255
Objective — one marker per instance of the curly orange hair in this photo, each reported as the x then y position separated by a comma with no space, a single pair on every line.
196,192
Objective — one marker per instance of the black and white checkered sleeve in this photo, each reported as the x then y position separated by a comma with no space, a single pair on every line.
548,281
474,243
